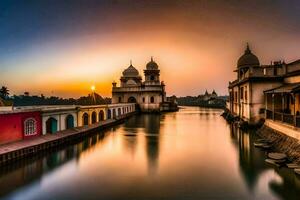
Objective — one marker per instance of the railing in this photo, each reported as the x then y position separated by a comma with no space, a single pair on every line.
298,121
149,88
278,116
283,117
288,118
269,114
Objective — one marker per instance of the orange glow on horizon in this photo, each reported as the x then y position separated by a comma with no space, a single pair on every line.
195,52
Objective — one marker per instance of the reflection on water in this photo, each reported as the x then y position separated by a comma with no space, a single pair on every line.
191,154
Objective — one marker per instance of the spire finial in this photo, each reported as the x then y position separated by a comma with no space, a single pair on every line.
247,49
151,58
130,62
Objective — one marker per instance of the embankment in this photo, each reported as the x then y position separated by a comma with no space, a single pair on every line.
281,142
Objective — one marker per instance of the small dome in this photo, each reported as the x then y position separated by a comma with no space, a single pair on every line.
131,71
152,65
248,59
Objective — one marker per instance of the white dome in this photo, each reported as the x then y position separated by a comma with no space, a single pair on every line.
131,72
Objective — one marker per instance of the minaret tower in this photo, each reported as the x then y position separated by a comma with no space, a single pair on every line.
152,73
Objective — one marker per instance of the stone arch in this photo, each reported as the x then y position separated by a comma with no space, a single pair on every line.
114,113
101,115
94,117
51,125
85,119
108,114
69,121
132,99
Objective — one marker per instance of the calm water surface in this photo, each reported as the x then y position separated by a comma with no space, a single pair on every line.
191,154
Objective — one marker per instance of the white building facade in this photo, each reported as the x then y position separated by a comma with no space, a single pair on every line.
246,93
149,95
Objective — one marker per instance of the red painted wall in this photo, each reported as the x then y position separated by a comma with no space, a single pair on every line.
12,126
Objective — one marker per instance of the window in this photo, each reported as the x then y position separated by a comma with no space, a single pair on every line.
230,97
246,96
152,99
275,71
120,99
292,99
143,99
242,93
152,78
235,96
30,127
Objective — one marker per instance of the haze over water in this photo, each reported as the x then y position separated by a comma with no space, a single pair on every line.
190,154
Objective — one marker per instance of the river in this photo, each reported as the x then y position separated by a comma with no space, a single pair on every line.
190,154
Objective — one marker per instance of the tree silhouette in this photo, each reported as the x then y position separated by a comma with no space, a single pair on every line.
4,92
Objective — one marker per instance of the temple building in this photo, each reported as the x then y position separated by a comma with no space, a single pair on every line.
265,91
149,95
207,96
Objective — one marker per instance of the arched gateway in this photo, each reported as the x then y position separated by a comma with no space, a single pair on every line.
51,125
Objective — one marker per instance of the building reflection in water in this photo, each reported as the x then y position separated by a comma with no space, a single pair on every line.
251,159
150,125
176,154
28,170
253,166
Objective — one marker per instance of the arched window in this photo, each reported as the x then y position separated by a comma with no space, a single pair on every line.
114,113
51,125
85,119
30,127
101,115
152,78
94,117
152,99
131,100
108,114
69,121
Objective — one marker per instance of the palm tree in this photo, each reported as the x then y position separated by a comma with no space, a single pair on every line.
4,92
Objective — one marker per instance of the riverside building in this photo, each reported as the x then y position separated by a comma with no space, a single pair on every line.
270,92
149,95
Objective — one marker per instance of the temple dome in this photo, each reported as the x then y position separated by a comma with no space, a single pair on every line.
248,59
151,65
131,71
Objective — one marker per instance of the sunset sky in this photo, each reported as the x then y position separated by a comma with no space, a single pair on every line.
61,47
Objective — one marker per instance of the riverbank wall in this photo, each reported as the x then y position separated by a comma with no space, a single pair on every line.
242,123
25,148
282,142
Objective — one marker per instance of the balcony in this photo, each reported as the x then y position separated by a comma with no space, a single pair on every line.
290,119
148,88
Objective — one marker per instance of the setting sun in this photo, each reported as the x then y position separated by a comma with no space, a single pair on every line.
93,88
